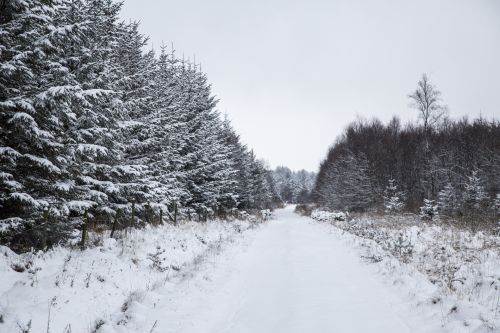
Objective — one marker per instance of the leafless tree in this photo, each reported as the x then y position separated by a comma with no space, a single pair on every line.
427,100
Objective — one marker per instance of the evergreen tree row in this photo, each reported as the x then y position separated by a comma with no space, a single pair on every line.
91,124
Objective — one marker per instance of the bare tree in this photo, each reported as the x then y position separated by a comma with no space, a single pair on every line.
427,100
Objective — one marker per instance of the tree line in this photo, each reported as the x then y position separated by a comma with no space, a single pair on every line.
293,186
91,124
438,167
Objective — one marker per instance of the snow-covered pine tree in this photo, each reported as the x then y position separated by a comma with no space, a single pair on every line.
237,194
447,200
38,93
293,186
393,198
305,183
474,197
162,141
245,182
208,167
283,177
429,211
259,187
89,123
92,139
349,186
135,84
475,200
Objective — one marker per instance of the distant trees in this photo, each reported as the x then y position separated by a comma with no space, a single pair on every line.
91,124
463,156
426,99
293,186
348,186
453,166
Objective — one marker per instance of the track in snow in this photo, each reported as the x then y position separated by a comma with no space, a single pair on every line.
293,277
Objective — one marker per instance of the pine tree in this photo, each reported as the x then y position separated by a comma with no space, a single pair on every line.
474,197
91,124
92,140
348,184
37,93
447,200
429,211
393,199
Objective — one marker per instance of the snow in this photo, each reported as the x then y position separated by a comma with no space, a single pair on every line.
95,150
9,68
79,206
136,169
105,282
106,185
22,116
65,186
58,91
7,151
293,277
291,274
97,92
328,216
129,123
10,224
445,273
43,162
24,197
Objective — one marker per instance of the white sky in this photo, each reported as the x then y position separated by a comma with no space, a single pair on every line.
292,74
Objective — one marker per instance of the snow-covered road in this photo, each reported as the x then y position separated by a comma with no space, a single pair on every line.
293,277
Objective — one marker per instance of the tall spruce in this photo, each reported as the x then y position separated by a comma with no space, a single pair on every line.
92,124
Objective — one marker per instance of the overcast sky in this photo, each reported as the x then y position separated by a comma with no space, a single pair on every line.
292,74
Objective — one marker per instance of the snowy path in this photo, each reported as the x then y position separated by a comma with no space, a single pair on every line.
293,277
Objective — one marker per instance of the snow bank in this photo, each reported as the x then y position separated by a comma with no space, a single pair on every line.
323,216
70,290
447,273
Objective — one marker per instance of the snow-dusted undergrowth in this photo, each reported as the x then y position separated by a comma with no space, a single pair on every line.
69,290
446,272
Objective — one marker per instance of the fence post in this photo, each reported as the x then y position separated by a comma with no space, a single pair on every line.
132,221
44,227
113,228
84,228
161,216
175,213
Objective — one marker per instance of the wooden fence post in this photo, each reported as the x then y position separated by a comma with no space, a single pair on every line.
175,213
44,227
113,228
84,228
161,217
132,221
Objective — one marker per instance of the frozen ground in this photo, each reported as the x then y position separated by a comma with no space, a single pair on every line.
444,272
291,274
294,277
103,288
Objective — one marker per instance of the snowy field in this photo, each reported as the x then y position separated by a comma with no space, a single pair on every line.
103,289
291,274
445,273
